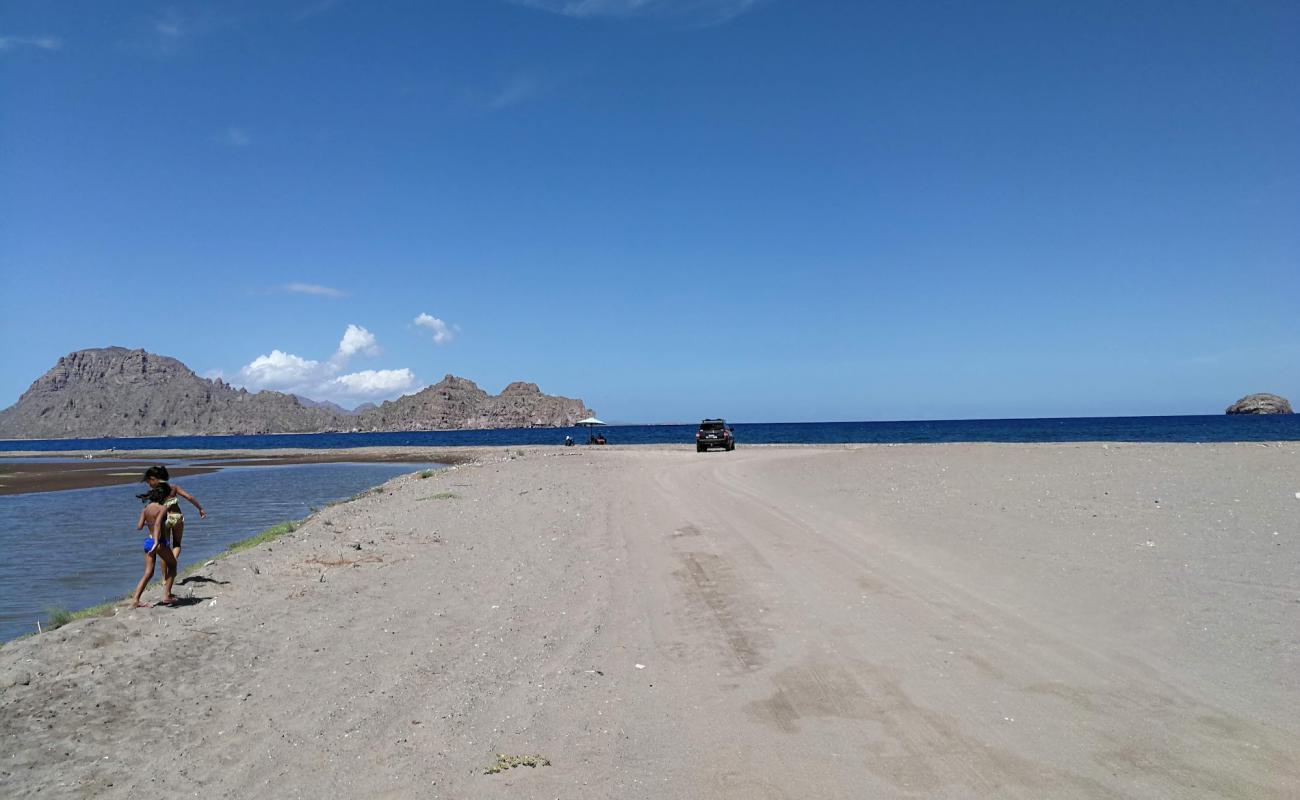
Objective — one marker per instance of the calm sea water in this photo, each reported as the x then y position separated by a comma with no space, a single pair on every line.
1207,428
78,548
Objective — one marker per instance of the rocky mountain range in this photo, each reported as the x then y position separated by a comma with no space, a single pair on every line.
113,391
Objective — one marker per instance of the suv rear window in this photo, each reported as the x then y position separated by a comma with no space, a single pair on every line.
710,426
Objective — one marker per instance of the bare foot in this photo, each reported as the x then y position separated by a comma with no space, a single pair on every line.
170,600
142,605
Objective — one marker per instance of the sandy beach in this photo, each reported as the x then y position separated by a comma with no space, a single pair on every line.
910,621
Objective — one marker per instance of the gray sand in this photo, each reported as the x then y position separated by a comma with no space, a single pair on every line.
947,621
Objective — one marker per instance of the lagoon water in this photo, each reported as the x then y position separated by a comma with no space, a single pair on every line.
78,548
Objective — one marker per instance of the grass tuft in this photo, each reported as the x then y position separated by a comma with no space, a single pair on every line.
428,473
441,496
270,534
505,762
58,617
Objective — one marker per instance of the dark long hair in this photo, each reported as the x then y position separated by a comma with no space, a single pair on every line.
157,494
159,472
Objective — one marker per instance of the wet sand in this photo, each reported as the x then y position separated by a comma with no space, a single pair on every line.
944,621
50,472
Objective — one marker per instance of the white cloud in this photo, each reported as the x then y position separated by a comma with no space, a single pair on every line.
704,12
372,383
321,380
281,371
312,288
442,332
315,9
39,42
170,27
517,90
356,339
235,137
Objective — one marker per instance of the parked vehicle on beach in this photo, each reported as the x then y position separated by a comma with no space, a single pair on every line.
714,433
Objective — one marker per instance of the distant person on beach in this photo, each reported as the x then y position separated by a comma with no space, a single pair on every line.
158,476
158,545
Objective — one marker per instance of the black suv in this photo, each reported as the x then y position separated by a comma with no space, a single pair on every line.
714,433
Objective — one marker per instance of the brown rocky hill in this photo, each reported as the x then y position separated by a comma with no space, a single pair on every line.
113,391
459,403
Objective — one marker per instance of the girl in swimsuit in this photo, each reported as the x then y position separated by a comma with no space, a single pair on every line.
175,521
155,516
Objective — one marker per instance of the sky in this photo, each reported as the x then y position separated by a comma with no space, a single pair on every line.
764,210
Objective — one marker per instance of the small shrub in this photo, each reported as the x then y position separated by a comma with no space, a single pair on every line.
505,762
428,473
58,617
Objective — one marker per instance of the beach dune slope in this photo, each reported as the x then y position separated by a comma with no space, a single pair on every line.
956,621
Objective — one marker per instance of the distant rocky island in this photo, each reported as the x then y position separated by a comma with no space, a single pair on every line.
1262,403
113,391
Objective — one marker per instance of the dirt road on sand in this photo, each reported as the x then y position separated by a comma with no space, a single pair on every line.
956,621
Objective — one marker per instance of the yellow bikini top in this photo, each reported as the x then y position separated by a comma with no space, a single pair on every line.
171,501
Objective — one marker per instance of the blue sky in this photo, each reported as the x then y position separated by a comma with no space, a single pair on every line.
767,210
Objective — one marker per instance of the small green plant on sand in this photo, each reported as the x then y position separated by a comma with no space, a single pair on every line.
58,617
428,473
441,496
505,762
271,533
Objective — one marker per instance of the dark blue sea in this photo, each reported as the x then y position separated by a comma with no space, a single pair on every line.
1206,428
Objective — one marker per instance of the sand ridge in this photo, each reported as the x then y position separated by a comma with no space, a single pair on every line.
891,621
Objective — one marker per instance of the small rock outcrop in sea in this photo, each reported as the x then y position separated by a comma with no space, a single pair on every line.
1262,403
113,391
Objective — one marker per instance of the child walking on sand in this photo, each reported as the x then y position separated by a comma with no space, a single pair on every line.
158,545
175,520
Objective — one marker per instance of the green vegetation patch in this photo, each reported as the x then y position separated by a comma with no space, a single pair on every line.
441,496
58,617
428,473
505,762
270,534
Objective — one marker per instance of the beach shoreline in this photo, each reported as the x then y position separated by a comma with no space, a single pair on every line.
31,471
977,620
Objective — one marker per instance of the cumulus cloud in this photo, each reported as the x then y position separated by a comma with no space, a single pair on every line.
704,12
371,383
326,380
39,42
356,339
281,371
442,332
